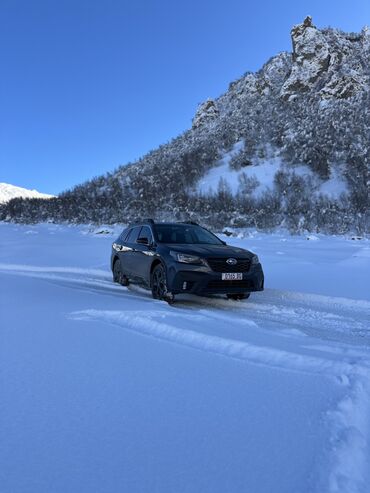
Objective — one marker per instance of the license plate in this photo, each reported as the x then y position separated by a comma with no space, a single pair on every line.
232,276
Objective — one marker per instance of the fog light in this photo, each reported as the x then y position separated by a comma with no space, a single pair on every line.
184,285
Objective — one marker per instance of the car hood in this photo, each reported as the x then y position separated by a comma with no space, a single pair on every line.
210,250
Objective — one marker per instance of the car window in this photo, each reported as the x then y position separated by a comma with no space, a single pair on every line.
185,234
146,233
126,238
204,236
124,235
134,233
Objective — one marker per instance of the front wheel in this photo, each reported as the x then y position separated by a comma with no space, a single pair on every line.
118,276
241,296
159,285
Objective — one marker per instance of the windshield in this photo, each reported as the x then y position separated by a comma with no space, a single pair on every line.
185,234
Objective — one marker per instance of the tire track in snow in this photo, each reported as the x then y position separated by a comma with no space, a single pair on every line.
316,323
25,269
348,455
278,310
147,323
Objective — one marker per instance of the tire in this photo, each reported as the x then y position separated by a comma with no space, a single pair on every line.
159,285
241,296
117,274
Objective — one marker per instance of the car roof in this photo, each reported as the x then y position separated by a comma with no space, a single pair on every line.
150,222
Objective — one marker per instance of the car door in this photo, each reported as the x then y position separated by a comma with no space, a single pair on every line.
143,253
127,256
121,249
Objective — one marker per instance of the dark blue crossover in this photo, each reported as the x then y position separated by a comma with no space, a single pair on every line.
175,258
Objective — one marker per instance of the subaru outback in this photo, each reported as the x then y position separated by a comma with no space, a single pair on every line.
175,258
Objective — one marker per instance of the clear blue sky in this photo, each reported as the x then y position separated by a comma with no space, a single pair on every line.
88,85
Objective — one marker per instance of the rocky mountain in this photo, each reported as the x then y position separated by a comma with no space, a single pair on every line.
287,145
9,192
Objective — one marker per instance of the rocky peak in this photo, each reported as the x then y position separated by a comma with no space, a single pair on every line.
327,61
206,112
311,57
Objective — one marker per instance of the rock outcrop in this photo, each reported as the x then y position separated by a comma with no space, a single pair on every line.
206,112
326,61
311,57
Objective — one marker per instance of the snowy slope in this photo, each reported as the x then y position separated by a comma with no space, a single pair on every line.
104,389
263,171
8,192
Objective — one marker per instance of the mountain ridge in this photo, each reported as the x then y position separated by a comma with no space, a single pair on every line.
9,192
307,108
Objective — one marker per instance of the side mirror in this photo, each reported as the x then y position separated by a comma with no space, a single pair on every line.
143,241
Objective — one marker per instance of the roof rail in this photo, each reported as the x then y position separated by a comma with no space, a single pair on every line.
142,221
189,222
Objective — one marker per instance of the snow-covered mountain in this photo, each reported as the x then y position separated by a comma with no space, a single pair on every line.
9,192
288,145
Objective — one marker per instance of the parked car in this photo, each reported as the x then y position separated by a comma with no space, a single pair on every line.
175,258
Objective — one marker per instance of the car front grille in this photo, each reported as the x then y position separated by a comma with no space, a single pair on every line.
244,284
220,265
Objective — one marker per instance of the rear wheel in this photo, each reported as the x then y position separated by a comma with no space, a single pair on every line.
159,285
241,296
118,276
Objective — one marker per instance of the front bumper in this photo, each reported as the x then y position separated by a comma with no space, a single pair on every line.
198,280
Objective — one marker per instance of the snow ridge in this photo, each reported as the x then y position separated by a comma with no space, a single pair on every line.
349,419
9,192
147,324
349,440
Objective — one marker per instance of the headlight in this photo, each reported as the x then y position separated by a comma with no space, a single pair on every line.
255,260
187,259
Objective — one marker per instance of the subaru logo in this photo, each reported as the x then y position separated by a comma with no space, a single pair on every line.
231,261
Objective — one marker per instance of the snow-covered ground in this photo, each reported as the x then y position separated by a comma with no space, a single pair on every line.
105,390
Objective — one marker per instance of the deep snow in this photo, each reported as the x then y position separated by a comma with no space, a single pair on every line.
105,390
